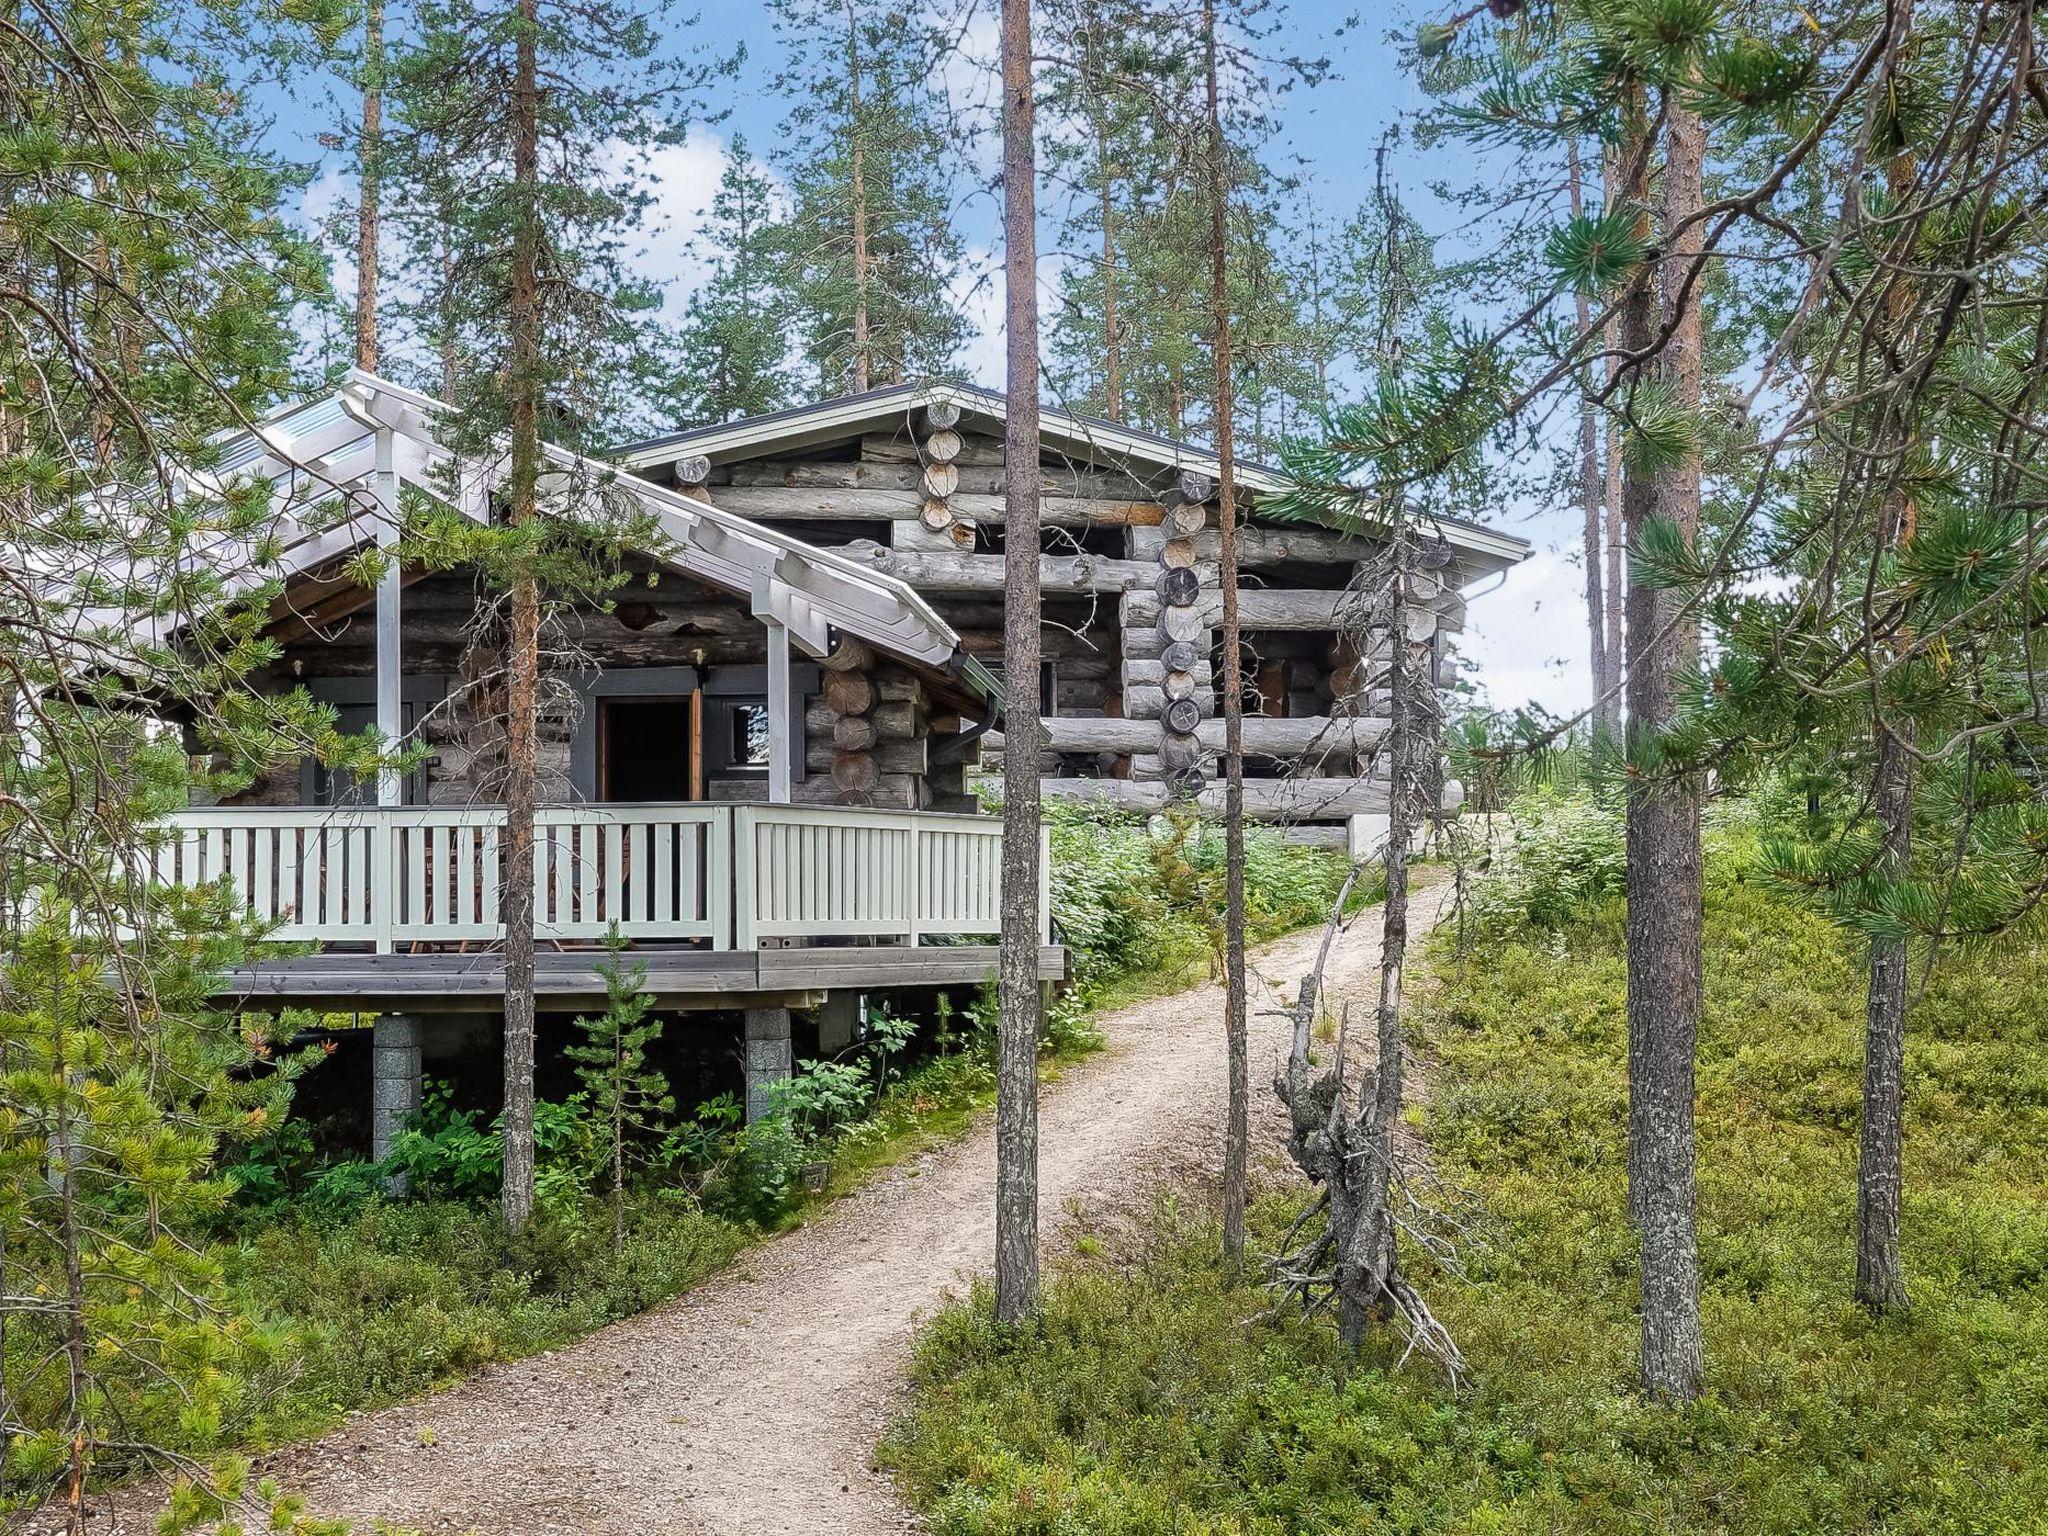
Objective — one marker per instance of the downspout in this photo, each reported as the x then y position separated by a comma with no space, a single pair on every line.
954,749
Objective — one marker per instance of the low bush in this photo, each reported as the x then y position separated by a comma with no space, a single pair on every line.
1133,896
400,1295
1153,1395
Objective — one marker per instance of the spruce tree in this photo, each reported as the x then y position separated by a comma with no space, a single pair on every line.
870,256
733,350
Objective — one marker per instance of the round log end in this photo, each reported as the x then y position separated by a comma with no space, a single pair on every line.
1178,586
941,415
936,513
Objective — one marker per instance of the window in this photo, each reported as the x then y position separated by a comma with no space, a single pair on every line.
736,740
1048,682
748,743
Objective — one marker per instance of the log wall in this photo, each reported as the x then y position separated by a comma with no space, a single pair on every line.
865,725
1131,632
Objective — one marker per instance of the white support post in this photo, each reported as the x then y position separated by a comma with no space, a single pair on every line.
781,739
390,695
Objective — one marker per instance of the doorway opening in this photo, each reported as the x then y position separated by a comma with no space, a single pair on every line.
645,749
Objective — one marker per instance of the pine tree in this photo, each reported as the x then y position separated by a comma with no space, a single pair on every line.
733,353
552,182
870,257
149,279
1021,1008
627,1097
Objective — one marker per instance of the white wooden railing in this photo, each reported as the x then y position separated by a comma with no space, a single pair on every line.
731,876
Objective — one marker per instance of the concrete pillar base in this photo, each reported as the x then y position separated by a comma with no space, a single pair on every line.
838,1017
395,1084
768,1058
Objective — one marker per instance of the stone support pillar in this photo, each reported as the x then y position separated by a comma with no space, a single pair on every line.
395,1083
767,1057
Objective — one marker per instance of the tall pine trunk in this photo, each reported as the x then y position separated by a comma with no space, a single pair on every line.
1881,1129
1881,1133
1112,343
1617,571
1665,924
1237,1128
522,635
1017,967
369,185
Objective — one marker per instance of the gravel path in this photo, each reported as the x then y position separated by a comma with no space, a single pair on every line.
753,1403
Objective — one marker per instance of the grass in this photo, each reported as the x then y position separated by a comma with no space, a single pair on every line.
1153,1396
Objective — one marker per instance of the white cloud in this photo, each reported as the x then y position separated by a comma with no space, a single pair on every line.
683,179
1525,640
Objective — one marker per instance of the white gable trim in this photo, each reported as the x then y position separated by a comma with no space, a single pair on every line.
326,448
831,419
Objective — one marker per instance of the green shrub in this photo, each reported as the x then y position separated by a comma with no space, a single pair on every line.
1569,851
1155,1396
1133,895
399,1296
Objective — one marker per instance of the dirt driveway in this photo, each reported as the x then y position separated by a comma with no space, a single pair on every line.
753,1404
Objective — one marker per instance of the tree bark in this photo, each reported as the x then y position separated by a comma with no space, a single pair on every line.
1881,1131
369,185
1665,923
1112,343
1880,1148
522,637
1403,812
1237,1133
1020,1007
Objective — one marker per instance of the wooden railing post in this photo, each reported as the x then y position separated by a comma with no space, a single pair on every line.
741,881
1044,884
383,877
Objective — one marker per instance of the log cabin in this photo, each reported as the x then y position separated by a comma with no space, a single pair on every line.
753,765
757,753
907,482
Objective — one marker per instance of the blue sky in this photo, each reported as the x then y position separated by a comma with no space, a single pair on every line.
1525,639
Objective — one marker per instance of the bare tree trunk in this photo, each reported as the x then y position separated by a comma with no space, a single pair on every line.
1665,923
856,154
1017,968
522,637
369,185
1880,1149
1378,1251
1617,575
78,1385
1237,1132
618,1159
1346,1147
449,376
1881,1130
1592,490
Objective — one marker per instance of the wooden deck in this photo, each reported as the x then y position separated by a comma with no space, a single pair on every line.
678,979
